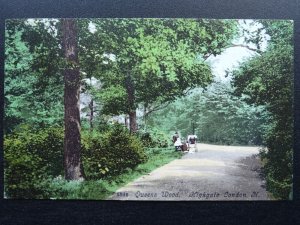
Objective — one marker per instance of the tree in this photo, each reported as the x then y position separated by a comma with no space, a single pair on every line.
72,142
155,60
17,63
268,80
33,83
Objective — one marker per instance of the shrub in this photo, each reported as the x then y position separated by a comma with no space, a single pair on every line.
33,158
111,153
278,162
30,157
154,138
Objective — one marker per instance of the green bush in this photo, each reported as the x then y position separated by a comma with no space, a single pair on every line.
278,162
110,153
33,159
155,138
30,157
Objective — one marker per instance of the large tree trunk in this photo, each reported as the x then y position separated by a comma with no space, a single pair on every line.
131,103
72,146
132,121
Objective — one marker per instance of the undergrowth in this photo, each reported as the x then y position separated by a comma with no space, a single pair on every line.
103,188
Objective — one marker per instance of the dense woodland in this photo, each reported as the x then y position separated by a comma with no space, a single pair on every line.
155,75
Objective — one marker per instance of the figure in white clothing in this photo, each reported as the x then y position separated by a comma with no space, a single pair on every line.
177,142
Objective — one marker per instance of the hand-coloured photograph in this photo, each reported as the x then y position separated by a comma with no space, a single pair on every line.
148,109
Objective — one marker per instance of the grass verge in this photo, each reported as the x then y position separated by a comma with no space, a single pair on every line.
102,189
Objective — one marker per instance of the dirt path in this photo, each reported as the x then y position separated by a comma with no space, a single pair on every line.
212,173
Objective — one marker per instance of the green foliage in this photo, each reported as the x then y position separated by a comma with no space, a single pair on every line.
163,57
29,157
279,166
154,137
33,158
33,84
58,188
217,116
268,80
110,153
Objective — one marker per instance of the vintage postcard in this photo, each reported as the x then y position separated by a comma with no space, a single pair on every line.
160,109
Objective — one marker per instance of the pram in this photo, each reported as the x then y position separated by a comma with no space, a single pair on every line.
178,144
192,142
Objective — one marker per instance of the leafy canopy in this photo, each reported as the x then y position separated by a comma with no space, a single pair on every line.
163,57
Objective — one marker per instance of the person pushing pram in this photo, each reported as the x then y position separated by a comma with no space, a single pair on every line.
192,142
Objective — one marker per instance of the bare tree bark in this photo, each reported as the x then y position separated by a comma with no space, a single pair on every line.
131,103
132,122
247,47
91,106
125,121
145,116
72,142
156,108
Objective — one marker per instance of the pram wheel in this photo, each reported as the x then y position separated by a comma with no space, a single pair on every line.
178,148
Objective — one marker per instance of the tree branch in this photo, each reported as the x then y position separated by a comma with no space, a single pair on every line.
156,108
188,90
205,57
246,46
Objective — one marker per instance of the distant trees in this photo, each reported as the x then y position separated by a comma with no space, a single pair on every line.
217,116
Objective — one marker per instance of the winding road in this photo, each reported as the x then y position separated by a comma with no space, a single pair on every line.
212,172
